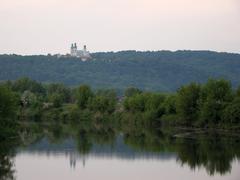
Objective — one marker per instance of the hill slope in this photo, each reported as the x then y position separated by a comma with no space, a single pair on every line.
161,70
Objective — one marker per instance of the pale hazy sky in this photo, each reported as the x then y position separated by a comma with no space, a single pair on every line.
50,26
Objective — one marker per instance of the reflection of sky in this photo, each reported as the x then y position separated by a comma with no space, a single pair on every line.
45,160
68,148
39,167
41,26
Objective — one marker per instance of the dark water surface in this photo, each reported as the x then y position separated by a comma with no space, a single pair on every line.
131,155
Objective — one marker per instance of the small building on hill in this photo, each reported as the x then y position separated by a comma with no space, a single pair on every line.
83,54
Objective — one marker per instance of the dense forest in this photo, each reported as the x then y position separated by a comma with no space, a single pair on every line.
151,71
211,105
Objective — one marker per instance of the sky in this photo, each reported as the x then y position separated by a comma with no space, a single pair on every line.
50,26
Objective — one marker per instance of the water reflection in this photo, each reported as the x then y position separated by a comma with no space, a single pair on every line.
7,152
214,152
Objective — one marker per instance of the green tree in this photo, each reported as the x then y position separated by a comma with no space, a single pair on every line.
60,89
102,104
26,84
56,99
169,104
187,103
232,112
215,96
8,110
84,94
8,102
154,103
135,103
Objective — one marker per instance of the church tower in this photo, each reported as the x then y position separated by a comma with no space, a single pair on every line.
74,50
83,54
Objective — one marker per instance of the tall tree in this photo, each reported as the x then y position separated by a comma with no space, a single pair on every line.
232,112
8,110
84,93
187,103
215,96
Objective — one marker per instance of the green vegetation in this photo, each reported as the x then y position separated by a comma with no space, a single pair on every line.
211,105
56,103
84,94
8,112
214,104
149,71
187,103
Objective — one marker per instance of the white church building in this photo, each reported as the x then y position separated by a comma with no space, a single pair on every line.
83,54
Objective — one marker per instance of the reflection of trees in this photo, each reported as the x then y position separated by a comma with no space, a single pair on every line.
144,141
86,139
84,143
6,161
213,151
56,133
85,134
104,136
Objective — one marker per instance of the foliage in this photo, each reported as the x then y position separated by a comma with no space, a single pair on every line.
102,104
215,96
56,99
187,103
8,102
194,105
232,112
169,104
8,111
26,84
151,71
63,92
135,103
214,104
84,94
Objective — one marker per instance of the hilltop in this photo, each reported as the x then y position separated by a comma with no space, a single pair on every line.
158,70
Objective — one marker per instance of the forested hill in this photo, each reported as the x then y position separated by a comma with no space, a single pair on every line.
160,70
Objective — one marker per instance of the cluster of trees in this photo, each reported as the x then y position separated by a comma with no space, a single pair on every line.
102,100
34,100
212,104
151,71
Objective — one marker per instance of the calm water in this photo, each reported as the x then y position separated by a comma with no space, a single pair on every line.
48,161
109,155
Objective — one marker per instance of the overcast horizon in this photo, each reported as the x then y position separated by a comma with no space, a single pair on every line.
50,26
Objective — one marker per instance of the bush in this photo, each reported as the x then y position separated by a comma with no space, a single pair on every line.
232,112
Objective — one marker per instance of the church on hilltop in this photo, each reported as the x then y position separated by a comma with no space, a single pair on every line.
84,55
